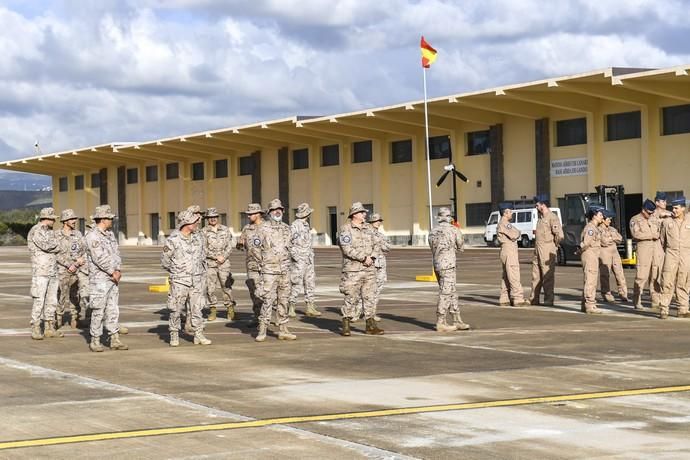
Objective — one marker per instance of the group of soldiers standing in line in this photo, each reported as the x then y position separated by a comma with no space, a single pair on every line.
662,240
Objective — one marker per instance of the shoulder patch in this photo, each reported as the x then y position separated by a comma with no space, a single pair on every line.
345,239
256,242
75,246
95,244
509,226
590,232
166,249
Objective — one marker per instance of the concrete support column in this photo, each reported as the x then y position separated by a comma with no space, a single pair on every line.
256,177
542,156
651,129
595,139
122,201
496,159
284,178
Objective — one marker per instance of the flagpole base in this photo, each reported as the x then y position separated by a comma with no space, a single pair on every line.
427,278
160,287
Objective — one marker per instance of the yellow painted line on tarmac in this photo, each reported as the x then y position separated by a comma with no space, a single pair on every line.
334,417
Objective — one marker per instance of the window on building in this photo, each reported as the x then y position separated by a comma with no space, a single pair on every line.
476,214
223,219
676,119
62,184
132,175
246,166
524,216
171,220
330,155
627,125
244,219
401,151
152,173
478,142
172,171
82,225
370,209
439,147
300,159
361,152
198,171
220,169
79,182
571,132
96,180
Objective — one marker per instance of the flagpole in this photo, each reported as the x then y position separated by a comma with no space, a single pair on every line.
428,156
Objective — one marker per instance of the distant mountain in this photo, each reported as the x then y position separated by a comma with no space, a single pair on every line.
24,181
19,199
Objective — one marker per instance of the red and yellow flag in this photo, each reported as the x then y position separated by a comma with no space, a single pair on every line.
428,54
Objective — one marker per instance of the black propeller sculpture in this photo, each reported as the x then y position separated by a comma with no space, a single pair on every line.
450,168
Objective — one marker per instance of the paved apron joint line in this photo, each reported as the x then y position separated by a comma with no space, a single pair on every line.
335,417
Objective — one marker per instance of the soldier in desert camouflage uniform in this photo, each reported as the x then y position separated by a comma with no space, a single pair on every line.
381,269
43,246
73,273
359,247
218,243
445,240
302,275
274,244
183,258
104,280
251,244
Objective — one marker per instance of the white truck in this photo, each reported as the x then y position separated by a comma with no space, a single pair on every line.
523,219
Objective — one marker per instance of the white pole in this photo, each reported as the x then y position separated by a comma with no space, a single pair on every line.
428,156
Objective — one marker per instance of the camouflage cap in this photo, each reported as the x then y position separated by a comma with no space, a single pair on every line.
67,214
355,208
186,217
275,204
103,212
303,210
254,208
376,217
47,213
212,212
195,208
444,212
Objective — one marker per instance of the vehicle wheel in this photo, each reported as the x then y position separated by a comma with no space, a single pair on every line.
494,241
560,256
524,241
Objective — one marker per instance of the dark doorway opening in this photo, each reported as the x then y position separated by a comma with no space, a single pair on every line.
333,224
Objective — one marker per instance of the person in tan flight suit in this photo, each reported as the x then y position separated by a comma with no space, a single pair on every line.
610,259
508,235
660,215
675,275
590,245
547,237
645,231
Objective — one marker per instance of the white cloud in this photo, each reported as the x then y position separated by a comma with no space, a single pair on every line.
81,73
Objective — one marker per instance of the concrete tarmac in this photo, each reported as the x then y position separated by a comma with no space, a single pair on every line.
613,386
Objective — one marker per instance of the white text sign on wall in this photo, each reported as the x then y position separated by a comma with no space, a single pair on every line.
569,167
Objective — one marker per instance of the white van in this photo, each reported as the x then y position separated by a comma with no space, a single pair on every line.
523,219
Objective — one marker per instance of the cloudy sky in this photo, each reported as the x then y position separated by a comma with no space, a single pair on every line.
75,73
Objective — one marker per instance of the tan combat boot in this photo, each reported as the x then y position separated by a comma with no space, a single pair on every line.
311,310
231,312
122,329
115,343
593,311
188,325
95,344
212,313
441,325
346,328
608,297
261,336
373,328
291,310
36,333
285,333
458,323
50,331
174,339
200,338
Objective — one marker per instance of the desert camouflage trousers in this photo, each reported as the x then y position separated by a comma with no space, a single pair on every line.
44,293
104,297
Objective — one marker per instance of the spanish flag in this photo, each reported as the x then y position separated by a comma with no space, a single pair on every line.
428,54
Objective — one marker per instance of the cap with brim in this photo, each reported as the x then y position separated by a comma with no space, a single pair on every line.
376,217
47,213
103,212
609,213
67,214
648,205
505,205
186,217
212,212
275,204
303,210
660,196
680,201
253,208
541,198
355,208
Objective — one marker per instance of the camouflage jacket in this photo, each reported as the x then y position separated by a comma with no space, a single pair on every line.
183,258
103,253
251,243
72,247
43,246
357,243
217,242
301,248
383,246
274,243
445,240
